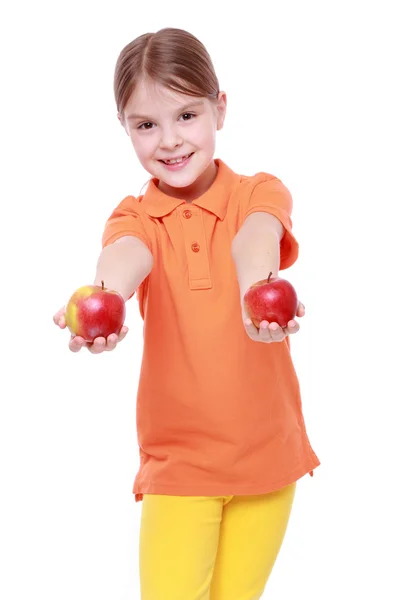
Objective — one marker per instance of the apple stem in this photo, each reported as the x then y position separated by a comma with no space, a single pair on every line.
269,277
102,284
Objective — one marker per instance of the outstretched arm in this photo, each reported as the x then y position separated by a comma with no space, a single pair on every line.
256,253
123,265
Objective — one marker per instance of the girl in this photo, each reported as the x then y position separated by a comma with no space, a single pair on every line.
222,440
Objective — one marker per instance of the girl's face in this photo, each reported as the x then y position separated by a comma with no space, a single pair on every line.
164,125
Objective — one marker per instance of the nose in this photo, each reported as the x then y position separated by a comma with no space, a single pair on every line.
170,138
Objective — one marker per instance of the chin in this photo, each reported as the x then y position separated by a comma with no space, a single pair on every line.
179,179
180,182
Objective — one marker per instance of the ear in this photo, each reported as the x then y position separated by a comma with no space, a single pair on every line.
121,120
221,108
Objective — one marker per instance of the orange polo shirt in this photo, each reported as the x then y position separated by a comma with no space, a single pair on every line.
217,413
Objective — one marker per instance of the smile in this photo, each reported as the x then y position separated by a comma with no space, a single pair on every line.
174,161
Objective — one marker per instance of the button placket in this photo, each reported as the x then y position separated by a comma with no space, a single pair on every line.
196,249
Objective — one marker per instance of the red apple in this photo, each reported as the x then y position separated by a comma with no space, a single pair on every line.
94,311
273,300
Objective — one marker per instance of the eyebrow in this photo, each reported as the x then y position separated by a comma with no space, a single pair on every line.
181,109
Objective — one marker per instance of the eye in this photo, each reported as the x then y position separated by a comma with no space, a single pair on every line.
144,126
188,115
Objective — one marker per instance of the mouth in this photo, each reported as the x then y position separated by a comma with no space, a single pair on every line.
177,161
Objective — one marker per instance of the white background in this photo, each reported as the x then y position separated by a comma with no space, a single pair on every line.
313,99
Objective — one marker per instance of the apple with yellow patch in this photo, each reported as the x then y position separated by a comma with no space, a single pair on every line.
94,311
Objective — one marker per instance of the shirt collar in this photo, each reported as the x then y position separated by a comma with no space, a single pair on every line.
215,199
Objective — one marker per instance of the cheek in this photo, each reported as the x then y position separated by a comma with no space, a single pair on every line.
205,135
144,145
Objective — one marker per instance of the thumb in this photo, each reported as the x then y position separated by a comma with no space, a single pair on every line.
59,318
301,310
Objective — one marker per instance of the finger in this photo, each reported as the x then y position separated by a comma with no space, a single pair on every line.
58,314
277,333
122,333
98,346
264,333
76,343
62,322
292,327
112,341
59,317
251,329
301,310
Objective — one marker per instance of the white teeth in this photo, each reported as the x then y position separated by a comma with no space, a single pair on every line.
177,160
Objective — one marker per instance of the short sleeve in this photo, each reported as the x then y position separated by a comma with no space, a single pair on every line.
272,196
126,219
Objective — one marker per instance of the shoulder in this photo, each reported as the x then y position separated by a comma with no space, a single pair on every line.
134,201
130,205
262,178
259,177
262,189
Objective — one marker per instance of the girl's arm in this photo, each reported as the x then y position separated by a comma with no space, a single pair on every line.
256,252
256,249
123,265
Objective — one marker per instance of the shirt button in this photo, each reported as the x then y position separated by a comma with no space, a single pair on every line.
195,247
187,214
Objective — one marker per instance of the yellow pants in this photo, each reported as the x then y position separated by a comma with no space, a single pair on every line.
211,547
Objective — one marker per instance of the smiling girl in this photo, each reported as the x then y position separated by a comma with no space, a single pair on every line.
221,434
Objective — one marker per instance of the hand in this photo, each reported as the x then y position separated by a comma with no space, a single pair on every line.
272,332
99,345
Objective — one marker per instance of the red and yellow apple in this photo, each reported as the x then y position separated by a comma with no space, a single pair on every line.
273,300
95,311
